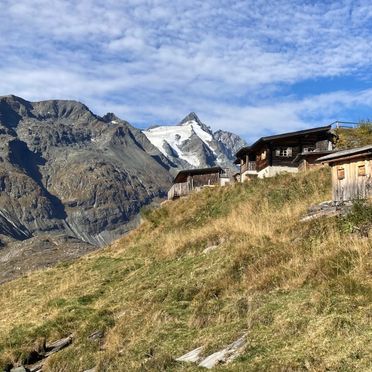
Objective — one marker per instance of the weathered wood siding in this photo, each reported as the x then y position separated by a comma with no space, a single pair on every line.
353,185
204,179
193,182
286,161
179,189
323,145
262,161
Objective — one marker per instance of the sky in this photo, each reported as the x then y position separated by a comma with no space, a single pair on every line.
250,67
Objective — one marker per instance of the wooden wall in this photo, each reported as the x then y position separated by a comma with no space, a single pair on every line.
194,181
262,162
352,186
286,161
205,179
178,190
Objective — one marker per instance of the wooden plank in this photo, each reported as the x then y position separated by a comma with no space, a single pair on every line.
354,185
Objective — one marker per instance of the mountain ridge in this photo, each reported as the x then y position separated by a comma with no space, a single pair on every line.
65,170
192,144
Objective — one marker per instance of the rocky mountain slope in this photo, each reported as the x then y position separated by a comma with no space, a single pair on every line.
71,181
192,144
64,170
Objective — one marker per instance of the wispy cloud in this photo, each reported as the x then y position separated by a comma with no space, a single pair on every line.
234,62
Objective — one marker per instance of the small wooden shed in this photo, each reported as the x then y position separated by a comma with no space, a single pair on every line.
189,180
351,173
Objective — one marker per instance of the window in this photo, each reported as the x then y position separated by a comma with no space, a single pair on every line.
361,170
340,173
308,149
284,152
263,155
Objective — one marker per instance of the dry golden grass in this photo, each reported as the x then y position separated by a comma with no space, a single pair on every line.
301,290
354,137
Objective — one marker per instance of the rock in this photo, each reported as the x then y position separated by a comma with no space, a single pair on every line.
37,367
19,369
226,355
321,213
326,209
231,141
192,356
210,249
96,336
58,345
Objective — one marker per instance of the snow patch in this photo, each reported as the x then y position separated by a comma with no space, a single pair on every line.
175,136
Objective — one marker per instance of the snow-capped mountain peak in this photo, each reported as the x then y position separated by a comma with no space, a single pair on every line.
190,117
191,144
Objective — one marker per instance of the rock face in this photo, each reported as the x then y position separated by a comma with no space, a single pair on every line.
64,170
192,144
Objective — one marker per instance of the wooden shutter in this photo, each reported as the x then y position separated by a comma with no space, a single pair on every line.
361,170
341,173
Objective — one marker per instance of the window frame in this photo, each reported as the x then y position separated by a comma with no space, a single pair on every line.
340,173
362,173
284,152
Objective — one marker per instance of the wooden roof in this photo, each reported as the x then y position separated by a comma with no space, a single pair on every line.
183,174
247,149
345,154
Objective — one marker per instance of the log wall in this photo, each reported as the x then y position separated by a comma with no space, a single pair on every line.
348,180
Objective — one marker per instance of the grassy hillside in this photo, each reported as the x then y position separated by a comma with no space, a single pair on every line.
354,137
301,291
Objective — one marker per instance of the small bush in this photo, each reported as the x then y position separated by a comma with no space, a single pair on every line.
359,219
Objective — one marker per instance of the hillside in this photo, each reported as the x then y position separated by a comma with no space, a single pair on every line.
300,291
354,137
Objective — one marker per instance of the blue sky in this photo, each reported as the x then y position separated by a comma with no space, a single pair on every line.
251,67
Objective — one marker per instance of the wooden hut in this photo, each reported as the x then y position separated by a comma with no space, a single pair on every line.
284,152
351,173
189,180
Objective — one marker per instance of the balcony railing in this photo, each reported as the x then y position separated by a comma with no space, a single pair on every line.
249,166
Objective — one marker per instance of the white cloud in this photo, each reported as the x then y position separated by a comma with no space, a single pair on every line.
227,60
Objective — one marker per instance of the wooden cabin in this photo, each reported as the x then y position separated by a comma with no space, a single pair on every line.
351,173
271,155
189,180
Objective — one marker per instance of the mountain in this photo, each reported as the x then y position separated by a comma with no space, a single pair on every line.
72,181
65,170
192,144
